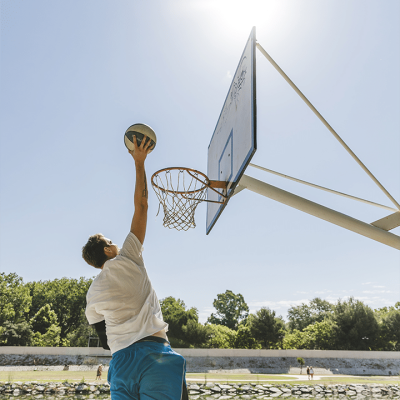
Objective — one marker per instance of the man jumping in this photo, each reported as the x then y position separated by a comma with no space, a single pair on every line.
124,308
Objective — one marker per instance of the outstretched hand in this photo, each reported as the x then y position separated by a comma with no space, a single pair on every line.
139,153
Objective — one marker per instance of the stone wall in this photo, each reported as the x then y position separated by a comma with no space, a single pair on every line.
325,362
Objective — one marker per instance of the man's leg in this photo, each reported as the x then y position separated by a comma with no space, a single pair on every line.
162,374
123,375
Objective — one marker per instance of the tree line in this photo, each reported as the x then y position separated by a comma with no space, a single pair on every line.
52,313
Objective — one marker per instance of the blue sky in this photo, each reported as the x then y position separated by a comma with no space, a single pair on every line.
74,75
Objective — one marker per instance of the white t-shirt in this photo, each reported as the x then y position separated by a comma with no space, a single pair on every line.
122,295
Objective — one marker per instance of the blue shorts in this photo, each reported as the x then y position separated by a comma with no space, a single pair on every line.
147,370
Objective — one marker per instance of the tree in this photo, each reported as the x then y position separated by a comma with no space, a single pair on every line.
306,314
231,310
43,319
15,300
220,337
266,328
355,326
66,297
196,334
389,323
80,336
318,336
293,340
45,327
175,314
16,334
244,338
300,360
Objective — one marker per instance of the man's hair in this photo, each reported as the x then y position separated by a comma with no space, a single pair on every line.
93,250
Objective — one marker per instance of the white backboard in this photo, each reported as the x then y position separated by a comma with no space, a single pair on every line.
233,143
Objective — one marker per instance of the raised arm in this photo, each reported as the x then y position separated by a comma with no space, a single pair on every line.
139,220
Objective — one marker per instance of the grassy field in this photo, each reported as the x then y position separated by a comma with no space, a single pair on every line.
291,380
89,376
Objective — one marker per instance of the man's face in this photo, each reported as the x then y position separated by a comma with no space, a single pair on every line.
111,250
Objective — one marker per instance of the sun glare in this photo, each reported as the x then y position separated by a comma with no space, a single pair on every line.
269,16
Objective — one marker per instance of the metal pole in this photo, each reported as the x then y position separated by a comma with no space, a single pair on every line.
322,188
320,211
297,90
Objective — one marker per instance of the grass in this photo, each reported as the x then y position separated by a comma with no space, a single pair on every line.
237,377
288,379
51,376
90,376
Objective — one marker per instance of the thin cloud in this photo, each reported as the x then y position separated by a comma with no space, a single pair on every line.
376,291
276,305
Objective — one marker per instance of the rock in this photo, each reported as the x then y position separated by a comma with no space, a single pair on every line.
194,387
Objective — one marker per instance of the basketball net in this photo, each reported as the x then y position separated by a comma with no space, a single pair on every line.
179,191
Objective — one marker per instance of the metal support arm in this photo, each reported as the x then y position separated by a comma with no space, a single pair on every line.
323,120
320,211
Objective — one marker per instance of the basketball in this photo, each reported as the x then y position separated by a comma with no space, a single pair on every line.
139,130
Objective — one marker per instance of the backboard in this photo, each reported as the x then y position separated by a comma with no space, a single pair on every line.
233,142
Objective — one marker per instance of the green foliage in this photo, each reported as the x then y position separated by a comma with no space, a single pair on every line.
306,314
195,333
52,313
300,360
45,327
244,339
49,339
355,326
79,337
293,340
266,328
15,300
66,297
43,319
175,314
318,336
389,323
16,334
220,337
231,310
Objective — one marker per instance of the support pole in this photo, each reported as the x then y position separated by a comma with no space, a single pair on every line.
323,188
320,211
323,120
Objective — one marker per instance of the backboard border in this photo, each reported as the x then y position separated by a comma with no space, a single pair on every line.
250,154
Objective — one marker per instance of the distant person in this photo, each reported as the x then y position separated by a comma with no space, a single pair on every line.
99,371
123,306
308,372
311,372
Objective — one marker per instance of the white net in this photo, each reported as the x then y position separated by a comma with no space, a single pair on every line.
179,191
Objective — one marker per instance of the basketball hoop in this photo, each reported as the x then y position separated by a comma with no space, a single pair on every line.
179,191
